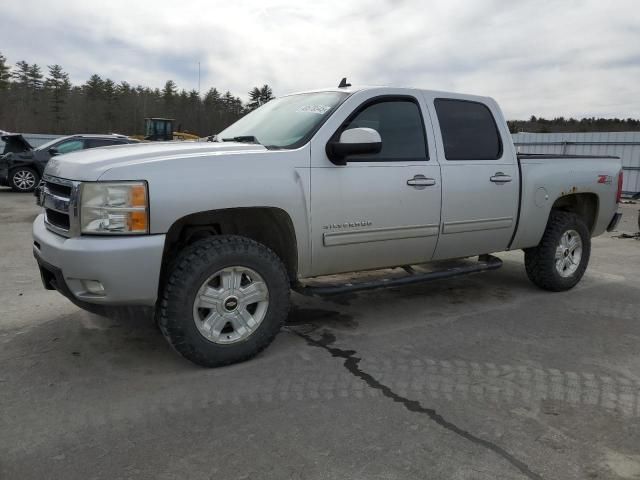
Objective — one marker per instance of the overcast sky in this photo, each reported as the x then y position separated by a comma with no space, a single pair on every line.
570,58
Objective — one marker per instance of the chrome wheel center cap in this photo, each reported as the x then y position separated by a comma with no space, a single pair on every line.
230,304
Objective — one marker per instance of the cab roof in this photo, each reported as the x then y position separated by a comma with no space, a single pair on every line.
382,89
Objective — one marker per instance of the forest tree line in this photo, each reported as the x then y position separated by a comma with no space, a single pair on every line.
37,101
561,124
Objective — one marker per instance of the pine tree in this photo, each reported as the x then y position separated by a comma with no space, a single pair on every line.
59,86
5,73
259,96
254,99
266,94
21,73
34,75
169,91
93,104
212,98
94,87
124,88
109,92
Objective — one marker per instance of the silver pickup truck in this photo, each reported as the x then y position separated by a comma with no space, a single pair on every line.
214,235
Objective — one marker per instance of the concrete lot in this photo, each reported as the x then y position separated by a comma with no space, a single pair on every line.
482,377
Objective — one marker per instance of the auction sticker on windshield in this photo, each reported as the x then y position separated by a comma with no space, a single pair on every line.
320,109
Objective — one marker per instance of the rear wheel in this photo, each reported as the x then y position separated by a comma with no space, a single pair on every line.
23,179
225,300
560,260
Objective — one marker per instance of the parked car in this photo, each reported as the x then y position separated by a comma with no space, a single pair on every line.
307,186
21,166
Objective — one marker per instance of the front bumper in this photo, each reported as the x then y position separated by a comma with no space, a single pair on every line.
127,267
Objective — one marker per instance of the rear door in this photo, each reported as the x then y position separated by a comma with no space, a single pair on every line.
381,209
480,177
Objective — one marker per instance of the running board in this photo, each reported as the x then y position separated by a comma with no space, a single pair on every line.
485,263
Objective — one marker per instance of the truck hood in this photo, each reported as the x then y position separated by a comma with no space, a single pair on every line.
91,164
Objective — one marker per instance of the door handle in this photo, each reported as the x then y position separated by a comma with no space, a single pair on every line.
420,182
500,177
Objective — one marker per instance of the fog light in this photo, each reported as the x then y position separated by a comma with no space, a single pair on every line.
93,286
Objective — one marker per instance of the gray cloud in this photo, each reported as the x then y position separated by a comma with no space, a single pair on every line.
571,58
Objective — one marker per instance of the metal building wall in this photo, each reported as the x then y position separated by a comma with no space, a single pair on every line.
625,145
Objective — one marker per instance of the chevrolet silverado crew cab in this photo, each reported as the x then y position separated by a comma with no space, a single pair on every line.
214,235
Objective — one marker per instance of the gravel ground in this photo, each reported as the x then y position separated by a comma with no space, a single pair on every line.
481,377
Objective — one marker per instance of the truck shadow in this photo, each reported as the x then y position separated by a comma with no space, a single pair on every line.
128,338
133,331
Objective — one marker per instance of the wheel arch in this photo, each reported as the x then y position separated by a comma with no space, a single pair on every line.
270,226
585,205
20,164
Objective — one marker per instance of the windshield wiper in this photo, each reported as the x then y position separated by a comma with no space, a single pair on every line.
242,139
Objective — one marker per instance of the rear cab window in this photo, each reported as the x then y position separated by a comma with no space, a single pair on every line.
469,131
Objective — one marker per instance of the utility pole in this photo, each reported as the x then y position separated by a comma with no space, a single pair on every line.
198,120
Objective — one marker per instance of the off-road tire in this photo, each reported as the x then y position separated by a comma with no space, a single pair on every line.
15,174
540,261
192,267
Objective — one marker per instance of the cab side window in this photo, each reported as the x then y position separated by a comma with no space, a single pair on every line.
399,123
70,146
469,131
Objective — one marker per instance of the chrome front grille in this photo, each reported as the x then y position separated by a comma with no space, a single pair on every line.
59,198
59,189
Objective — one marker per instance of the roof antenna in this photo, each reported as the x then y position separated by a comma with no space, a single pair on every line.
343,83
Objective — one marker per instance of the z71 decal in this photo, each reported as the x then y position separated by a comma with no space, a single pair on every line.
606,179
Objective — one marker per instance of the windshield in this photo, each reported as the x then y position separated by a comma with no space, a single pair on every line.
285,121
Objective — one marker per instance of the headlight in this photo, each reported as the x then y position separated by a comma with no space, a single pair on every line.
114,208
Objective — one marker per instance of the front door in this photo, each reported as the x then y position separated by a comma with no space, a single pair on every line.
381,209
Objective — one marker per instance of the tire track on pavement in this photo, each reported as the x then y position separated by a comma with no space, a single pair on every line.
351,363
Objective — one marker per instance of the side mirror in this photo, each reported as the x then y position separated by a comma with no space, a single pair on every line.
353,142
53,151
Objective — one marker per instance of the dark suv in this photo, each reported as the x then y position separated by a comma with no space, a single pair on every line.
22,170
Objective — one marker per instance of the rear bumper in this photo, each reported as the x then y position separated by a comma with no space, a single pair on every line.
614,221
127,267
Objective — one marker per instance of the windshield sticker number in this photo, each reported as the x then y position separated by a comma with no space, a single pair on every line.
319,109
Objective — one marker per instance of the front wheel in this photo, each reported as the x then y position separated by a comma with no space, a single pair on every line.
561,258
23,179
224,301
